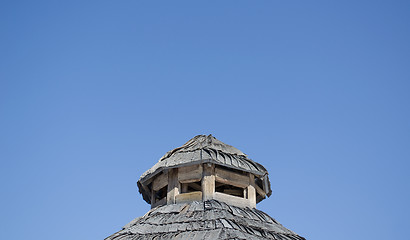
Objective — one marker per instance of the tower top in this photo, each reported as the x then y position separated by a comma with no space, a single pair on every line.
205,168
205,189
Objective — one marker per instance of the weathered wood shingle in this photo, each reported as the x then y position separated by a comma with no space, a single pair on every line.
204,220
204,148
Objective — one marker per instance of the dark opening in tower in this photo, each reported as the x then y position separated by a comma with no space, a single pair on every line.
229,189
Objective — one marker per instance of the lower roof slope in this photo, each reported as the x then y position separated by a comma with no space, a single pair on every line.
204,220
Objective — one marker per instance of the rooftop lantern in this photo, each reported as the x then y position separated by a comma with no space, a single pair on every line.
205,189
202,169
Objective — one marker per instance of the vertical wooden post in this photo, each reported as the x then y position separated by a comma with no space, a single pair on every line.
208,181
251,191
173,186
152,197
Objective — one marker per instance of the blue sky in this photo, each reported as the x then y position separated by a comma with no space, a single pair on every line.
93,93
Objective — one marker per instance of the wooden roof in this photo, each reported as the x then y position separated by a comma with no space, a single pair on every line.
203,149
204,220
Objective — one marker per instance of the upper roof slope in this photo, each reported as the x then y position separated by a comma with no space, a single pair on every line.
202,149
204,220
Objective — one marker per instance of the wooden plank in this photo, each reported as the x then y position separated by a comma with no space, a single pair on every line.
231,178
208,181
147,191
245,193
235,201
190,180
160,181
173,186
260,191
234,192
152,198
259,198
190,174
265,183
251,191
188,197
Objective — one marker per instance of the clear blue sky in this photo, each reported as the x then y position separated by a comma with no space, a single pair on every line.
93,93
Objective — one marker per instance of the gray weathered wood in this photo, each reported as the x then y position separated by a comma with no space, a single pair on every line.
204,220
189,159
184,187
173,186
160,181
190,174
153,199
260,191
208,181
231,178
251,191
188,197
235,192
233,200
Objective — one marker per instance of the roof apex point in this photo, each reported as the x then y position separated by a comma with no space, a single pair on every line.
204,142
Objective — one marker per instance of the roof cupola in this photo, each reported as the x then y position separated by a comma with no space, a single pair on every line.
203,169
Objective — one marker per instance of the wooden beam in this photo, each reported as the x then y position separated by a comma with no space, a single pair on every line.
173,186
234,192
259,198
160,181
190,180
152,198
265,183
251,191
147,191
190,174
208,181
245,193
188,197
231,178
235,201
260,191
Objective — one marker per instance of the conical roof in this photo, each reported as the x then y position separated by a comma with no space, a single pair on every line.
205,149
202,149
204,220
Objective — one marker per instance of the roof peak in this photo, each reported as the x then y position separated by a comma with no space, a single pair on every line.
204,141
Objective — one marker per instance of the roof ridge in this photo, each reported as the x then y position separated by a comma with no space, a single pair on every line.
202,142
